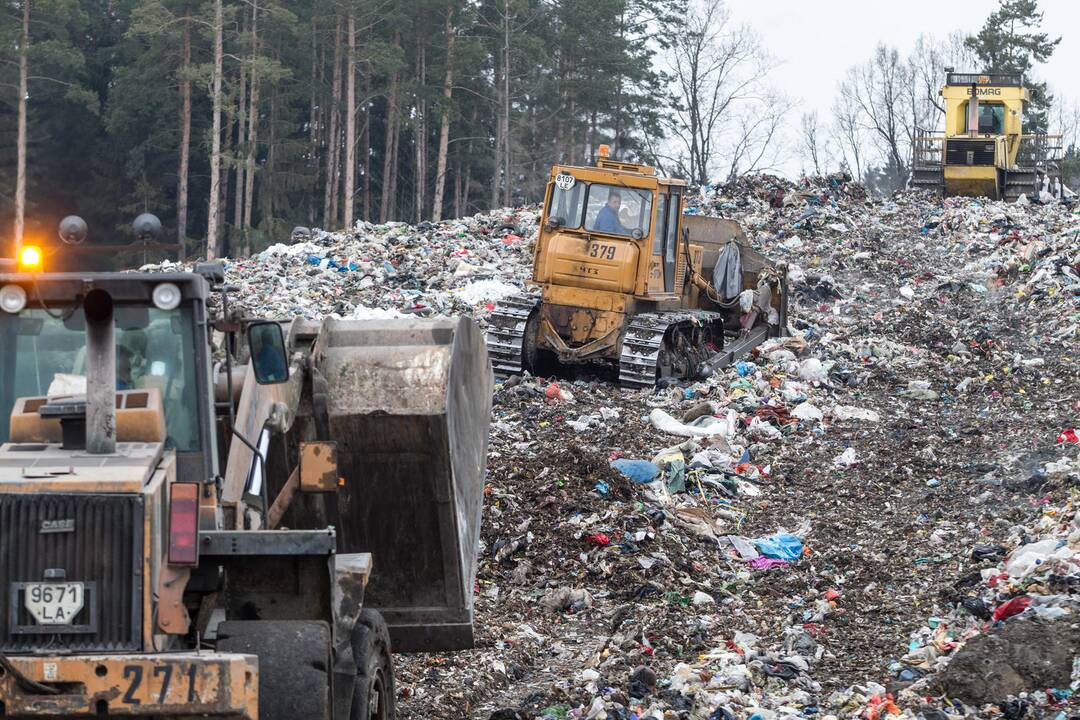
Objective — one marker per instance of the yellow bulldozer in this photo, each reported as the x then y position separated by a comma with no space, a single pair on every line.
208,515
630,283
983,151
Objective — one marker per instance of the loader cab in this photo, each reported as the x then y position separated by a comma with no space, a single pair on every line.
162,355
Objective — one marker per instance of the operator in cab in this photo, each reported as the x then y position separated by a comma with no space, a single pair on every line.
607,220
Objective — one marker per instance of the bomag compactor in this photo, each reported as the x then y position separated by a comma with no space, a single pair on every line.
203,515
628,281
983,151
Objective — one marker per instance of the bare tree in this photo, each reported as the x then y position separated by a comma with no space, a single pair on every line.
754,143
880,89
719,71
846,131
215,137
20,172
1065,121
810,137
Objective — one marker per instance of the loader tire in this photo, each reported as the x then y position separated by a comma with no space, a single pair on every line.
374,697
294,656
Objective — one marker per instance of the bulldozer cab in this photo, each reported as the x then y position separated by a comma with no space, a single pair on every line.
614,227
983,149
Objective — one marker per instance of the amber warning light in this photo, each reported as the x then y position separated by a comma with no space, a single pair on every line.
30,258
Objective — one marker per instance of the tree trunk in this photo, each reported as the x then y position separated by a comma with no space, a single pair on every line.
227,158
350,125
457,186
238,167
313,123
389,176
268,183
252,129
333,145
444,121
465,165
507,158
420,131
20,172
498,164
365,147
215,138
185,142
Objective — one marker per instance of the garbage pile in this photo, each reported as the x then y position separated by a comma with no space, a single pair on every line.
389,270
873,516
821,529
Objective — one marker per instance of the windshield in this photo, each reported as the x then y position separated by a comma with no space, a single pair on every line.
991,119
611,209
43,353
618,210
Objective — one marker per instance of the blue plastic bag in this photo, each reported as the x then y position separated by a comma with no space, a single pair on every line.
638,471
781,546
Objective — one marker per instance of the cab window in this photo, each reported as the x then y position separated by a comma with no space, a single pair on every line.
567,205
43,353
991,119
618,210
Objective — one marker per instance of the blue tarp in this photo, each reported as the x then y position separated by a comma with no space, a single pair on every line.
639,471
781,546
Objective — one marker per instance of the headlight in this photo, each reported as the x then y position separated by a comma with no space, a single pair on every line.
12,298
166,296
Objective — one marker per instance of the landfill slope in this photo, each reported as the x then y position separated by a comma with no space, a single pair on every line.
817,530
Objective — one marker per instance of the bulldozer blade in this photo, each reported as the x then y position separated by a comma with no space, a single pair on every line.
408,403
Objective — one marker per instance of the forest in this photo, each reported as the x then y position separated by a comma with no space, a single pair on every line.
236,120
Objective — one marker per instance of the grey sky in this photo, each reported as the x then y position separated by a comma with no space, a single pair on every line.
817,41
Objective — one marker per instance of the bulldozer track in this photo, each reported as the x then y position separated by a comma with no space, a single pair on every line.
644,340
506,332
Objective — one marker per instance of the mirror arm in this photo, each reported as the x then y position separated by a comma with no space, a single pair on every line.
262,466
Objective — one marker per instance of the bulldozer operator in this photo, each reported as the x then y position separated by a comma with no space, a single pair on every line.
607,220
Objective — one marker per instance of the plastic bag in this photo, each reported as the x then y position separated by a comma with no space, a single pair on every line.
781,546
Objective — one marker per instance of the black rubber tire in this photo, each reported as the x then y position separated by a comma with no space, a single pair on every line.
293,661
374,697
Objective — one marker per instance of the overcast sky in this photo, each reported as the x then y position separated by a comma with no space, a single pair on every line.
818,40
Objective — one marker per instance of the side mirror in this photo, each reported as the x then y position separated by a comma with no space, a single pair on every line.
269,359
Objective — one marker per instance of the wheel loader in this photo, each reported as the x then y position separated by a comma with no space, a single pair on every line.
633,285
208,515
983,151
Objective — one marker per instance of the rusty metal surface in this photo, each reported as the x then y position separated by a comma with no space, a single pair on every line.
318,466
283,500
408,403
48,468
172,616
165,685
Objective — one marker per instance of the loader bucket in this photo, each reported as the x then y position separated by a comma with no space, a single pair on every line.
408,403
